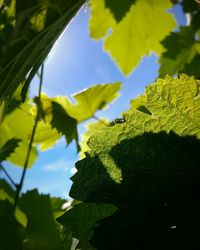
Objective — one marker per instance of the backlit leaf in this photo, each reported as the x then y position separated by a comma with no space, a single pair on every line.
138,34
8,148
93,99
18,123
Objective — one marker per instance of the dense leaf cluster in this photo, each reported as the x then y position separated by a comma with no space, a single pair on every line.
137,184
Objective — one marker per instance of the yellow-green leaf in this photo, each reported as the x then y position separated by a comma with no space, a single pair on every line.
138,34
18,123
93,99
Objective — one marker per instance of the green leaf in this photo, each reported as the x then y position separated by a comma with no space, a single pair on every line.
101,19
57,204
46,136
93,99
181,48
6,192
11,230
30,38
148,167
18,123
60,116
41,232
64,123
82,218
174,105
138,34
8,148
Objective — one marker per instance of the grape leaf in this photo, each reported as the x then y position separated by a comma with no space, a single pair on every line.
82,218
93,99
64,123
87,103
139,33
8,148
41,232
181,48
46,136
18,123
148,167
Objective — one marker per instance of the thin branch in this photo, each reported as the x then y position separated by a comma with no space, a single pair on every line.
19,187
8,176
100,120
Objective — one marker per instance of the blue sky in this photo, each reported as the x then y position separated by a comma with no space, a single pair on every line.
75,63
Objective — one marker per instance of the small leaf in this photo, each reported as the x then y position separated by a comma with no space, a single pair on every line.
8,148
64,123
93,99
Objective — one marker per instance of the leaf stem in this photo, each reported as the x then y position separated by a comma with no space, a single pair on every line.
100,120
8,176
19,187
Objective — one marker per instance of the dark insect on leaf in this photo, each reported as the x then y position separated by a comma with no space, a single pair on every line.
119,120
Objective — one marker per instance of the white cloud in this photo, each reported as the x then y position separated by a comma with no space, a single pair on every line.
59,165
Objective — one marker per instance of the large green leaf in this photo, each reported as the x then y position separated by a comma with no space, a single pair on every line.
27,40
148,167
82,218
41,232
18,123
138,34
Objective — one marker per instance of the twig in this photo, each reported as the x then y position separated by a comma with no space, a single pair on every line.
99,120
8,176
19,187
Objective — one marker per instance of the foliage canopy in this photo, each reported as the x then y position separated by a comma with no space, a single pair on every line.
137,184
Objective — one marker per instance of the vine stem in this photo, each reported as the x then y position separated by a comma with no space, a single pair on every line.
20,185
99,120
7,174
